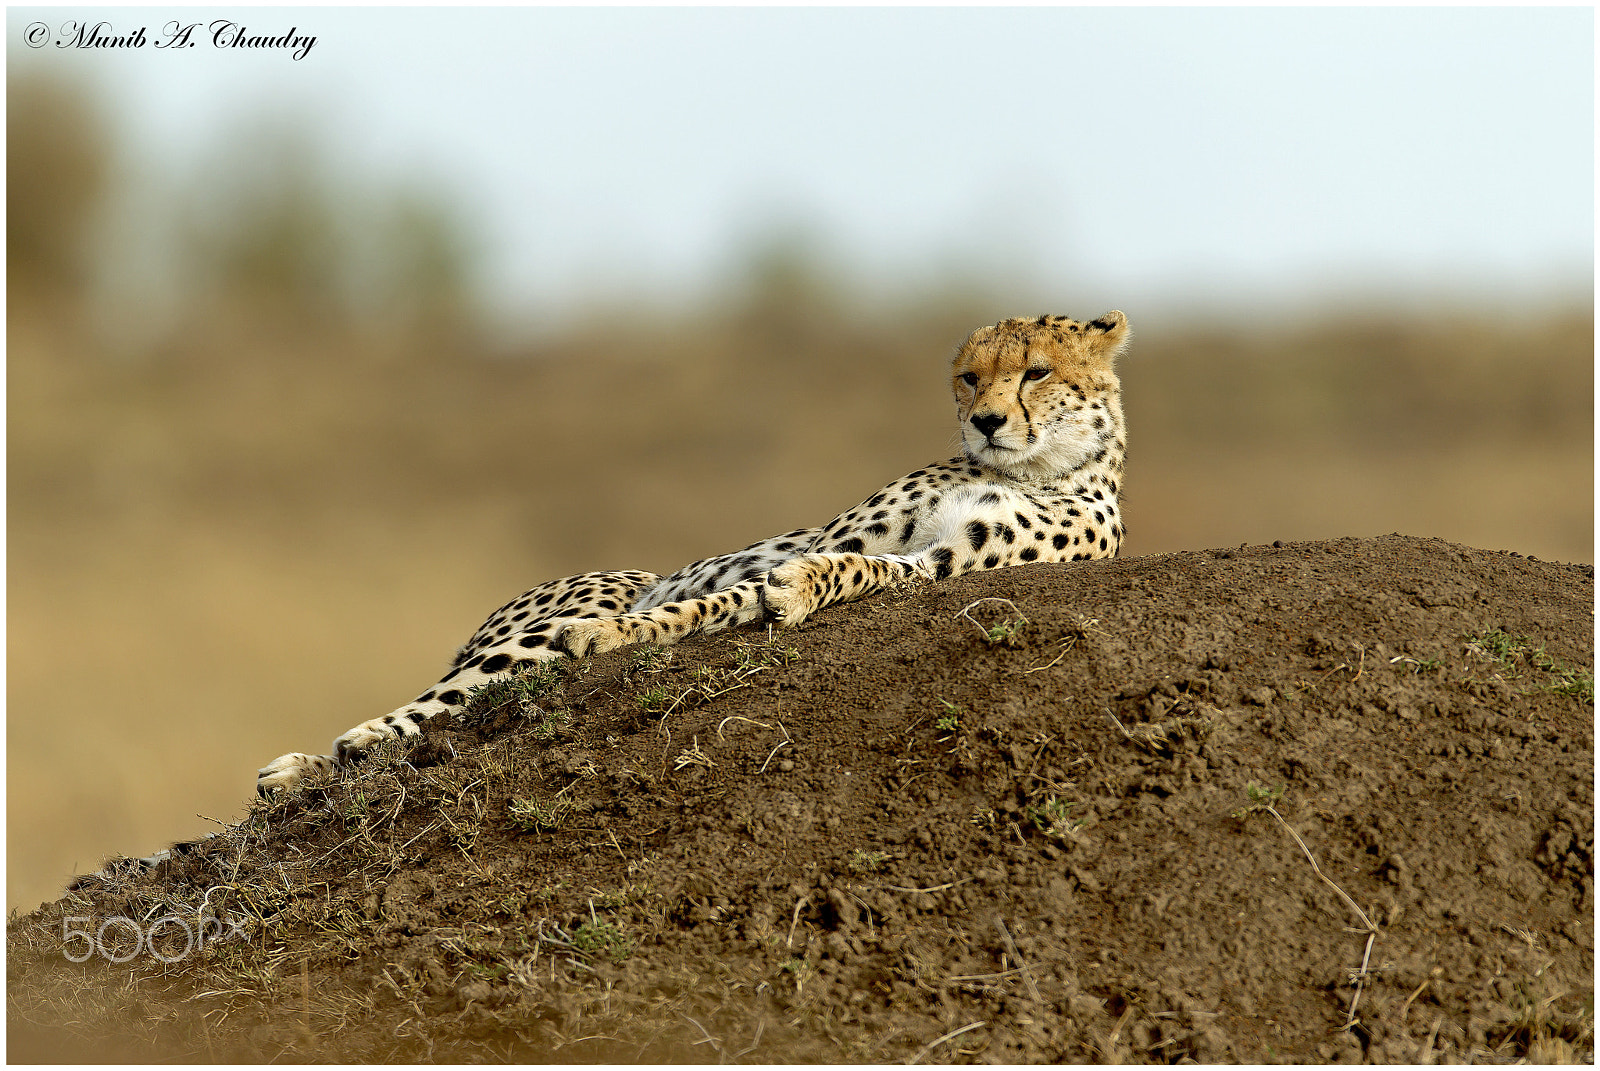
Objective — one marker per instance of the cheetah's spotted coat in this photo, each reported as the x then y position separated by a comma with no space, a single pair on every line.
1043,442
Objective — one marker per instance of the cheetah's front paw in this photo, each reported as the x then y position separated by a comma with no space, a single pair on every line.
591,635
286,771
789,593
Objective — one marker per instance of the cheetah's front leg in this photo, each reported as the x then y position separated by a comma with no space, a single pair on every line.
801,586
664,624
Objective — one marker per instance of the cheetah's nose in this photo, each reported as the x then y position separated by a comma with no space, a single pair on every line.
988,423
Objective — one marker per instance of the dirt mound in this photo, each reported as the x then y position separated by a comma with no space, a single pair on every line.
1212,805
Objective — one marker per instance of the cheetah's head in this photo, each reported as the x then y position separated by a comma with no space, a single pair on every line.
1038,398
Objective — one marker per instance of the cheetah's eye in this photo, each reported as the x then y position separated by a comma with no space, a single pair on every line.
1036,373
970,378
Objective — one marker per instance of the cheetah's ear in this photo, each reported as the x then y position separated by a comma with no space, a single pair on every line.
1108,334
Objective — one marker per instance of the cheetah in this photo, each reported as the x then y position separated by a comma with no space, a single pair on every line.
1043,443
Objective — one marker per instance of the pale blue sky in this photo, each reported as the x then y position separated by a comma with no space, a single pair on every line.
1249,157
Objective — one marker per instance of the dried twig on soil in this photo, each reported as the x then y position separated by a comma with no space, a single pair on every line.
1264,803
1425,1053
1359,667
693,756
1366,923
1415,993
1004,632
715,1044
1080,631
936,1042
1121,726
1108,1048
935,888
760,1026
736,717
995,977
1016,957
305,997
782,744
795,921
1529,936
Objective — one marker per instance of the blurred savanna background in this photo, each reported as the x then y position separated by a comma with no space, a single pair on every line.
312,363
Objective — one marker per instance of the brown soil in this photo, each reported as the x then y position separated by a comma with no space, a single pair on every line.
886,836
